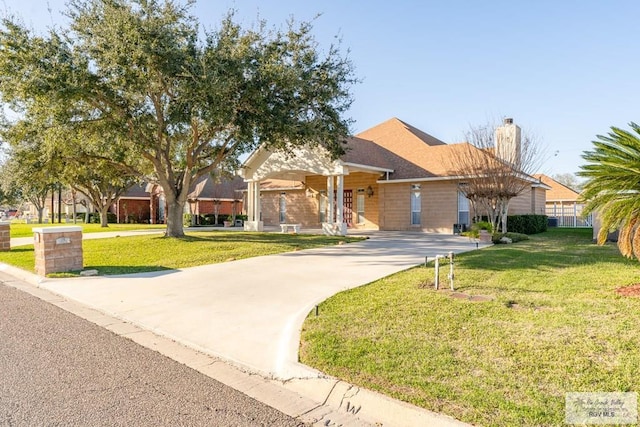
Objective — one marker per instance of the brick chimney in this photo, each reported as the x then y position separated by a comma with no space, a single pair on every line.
508,142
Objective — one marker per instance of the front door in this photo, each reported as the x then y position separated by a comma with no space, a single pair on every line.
348,207
347,204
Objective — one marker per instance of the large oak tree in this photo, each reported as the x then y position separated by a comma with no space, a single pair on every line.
186,101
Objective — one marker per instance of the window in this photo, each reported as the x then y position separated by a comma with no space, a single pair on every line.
416,204
360,206
463,209
322,207
283,208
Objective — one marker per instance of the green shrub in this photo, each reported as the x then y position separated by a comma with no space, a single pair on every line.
527,224
476,227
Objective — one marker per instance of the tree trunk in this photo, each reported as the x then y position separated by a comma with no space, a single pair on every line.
75,205
40,214
103,216
175,227
504,213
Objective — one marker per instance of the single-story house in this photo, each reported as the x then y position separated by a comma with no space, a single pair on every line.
392,177
144,203
221,196
134,206
562,205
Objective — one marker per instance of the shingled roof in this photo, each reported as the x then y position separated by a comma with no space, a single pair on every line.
395,148
206,187
558,192
408,151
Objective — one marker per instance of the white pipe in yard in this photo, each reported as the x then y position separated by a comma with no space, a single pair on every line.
451,256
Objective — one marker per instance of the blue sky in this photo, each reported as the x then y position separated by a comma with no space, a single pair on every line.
565,70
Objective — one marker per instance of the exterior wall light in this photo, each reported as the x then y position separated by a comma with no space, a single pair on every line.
369,191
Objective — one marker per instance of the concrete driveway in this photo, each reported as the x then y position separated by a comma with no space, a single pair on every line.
250,312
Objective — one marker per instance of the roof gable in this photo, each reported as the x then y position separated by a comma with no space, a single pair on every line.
558,192
208,187
394,131
410,152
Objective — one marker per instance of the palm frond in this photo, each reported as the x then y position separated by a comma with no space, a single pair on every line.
624,238
635,243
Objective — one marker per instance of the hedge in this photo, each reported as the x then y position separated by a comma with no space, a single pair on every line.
209,219
527,224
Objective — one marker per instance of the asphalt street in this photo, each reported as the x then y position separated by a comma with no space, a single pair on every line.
58,369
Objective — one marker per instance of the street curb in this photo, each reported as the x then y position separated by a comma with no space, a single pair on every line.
315,401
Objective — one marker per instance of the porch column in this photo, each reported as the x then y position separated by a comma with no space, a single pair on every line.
253,222
340,200
340,227
331,196
256,203
250,211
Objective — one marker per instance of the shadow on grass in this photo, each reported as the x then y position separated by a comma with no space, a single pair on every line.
563,248
256,237
119,270
22,249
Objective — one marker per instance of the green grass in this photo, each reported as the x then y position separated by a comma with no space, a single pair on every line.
555,325
125,255
19,229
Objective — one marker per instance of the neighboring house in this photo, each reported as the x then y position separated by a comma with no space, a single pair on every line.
392,177
134,206
145,203
222,196
562,206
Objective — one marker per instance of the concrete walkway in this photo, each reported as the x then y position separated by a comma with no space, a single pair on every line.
250,312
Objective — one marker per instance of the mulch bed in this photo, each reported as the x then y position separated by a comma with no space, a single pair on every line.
629,291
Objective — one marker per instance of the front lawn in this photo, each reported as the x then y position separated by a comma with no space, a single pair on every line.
21,229
124,255
555,325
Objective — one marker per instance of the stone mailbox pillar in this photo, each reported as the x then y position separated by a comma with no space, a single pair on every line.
5,237
57,249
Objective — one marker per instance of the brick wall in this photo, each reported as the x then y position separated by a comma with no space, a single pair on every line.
269,202
353,182
521,204
531,201
395,208
439,206
207,207
5,237
539,201
133,209
58,249
389,208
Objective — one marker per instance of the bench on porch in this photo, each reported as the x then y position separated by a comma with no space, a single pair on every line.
285,227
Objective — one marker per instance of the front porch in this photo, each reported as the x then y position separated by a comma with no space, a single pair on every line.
307,188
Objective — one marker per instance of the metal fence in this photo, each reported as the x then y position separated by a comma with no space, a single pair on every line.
568,215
